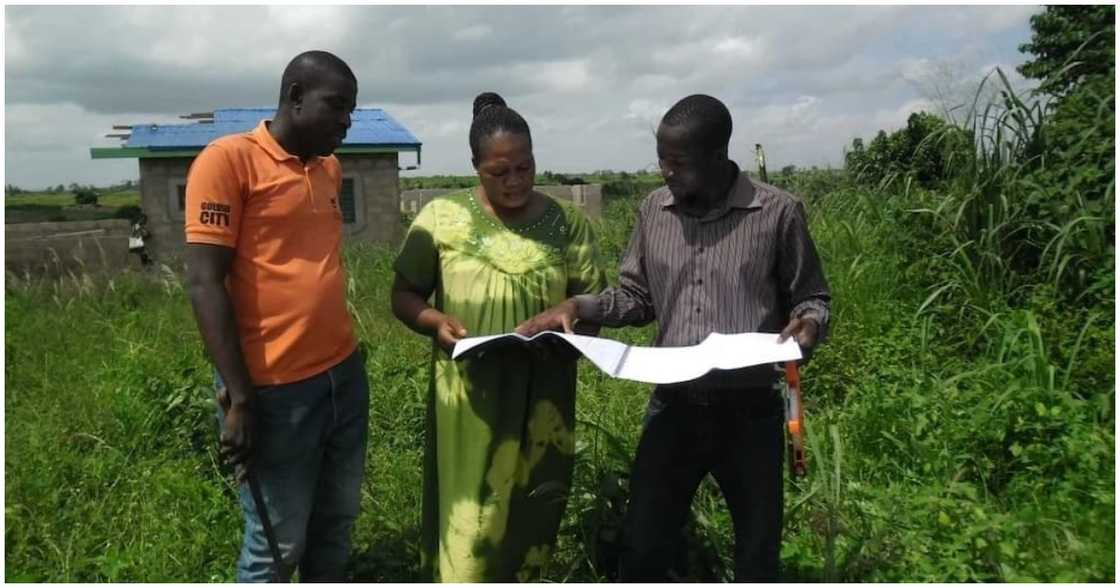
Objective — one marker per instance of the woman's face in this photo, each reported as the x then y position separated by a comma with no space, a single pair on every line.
506,169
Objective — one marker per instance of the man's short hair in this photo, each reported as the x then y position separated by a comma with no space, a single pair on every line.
707,119
307,67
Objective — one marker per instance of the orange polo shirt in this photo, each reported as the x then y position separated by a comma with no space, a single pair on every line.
281,217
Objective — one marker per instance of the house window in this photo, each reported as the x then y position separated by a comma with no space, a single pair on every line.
176,198
346,202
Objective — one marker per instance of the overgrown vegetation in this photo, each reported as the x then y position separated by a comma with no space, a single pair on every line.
614,183
80,204
960,417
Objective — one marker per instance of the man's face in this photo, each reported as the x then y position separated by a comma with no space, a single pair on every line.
685,165
324,114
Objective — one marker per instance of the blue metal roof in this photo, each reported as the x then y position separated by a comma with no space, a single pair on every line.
369,127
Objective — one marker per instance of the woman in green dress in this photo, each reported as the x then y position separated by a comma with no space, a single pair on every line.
499,453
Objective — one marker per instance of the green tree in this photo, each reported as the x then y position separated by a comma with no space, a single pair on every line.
1075,62
1070,43
86,195
924,151
856,156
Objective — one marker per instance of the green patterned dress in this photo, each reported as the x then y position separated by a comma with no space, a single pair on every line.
499,453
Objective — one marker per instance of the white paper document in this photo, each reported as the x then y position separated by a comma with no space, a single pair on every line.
660,365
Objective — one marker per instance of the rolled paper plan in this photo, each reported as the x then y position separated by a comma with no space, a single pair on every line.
656,365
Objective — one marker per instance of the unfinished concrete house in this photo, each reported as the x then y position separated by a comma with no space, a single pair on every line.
370,198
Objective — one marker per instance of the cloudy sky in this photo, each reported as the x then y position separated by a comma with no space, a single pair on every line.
591,80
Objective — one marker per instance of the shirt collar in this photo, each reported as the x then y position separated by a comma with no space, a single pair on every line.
271,146
742,194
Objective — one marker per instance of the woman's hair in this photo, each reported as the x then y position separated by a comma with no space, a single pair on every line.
491,116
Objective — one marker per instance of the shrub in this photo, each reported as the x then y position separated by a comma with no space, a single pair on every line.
131,213
86,196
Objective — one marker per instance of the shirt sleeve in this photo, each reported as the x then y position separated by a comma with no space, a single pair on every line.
801,275
214,201
585,269
418,259
628,304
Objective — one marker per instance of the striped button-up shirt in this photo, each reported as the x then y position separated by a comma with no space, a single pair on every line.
749,265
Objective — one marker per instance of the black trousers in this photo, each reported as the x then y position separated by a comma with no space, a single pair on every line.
734,435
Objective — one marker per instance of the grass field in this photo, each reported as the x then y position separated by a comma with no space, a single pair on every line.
33,207
960,419
940,450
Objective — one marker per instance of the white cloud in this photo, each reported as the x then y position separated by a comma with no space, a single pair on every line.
804,104
472,33
562,76
979,20
645,112
15,49
50,145
323,20
914,70
591,80
739,47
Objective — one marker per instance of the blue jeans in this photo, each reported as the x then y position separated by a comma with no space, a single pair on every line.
309,457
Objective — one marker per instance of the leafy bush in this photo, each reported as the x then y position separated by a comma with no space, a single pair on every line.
923,151
1026,186
86,196
453,182
631,185
131,212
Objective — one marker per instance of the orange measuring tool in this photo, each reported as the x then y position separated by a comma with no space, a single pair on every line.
795,419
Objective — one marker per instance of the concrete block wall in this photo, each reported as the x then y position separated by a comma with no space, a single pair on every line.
413,200
159,181
376,188
589,197
56,248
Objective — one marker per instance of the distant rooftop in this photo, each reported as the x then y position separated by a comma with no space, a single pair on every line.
372,130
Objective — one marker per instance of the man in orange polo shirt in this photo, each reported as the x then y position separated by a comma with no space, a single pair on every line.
266,282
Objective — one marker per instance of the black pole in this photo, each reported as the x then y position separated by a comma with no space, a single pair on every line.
760,157
278,574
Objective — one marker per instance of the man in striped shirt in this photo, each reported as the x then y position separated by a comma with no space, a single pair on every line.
712,251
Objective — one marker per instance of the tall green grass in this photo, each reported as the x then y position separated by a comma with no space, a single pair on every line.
998,222
1010,402
962,441
940,448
